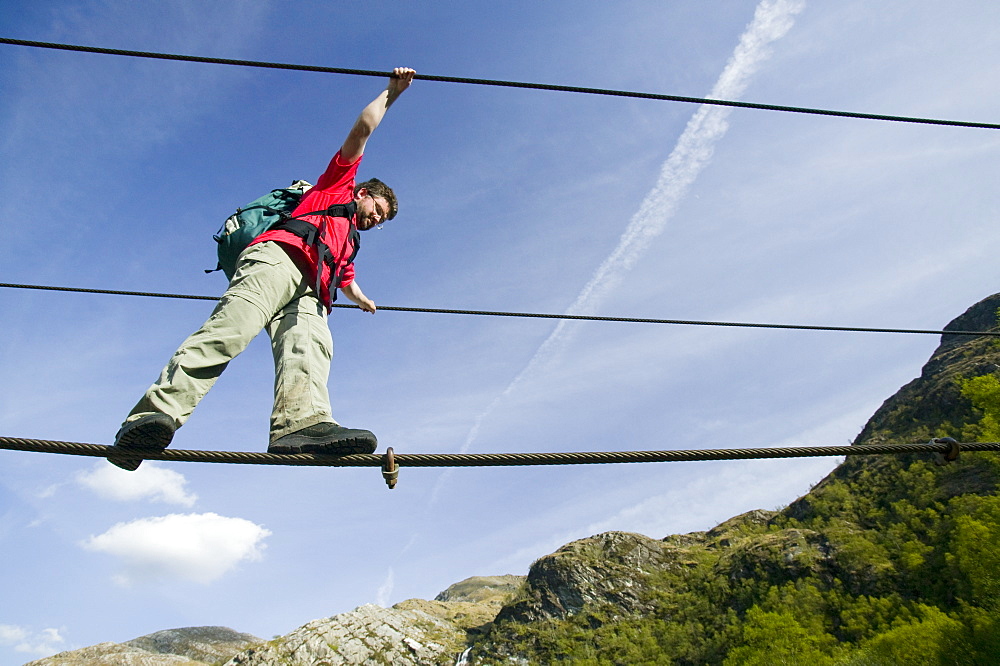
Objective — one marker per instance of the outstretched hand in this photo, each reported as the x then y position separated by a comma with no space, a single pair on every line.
400,80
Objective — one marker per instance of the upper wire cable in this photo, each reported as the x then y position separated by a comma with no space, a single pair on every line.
536,315
493,82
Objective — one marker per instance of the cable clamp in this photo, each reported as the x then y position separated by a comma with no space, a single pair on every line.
390,470
949,456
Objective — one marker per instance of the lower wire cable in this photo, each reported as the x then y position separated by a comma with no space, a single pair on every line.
943,446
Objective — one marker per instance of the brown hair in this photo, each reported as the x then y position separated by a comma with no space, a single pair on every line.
377,188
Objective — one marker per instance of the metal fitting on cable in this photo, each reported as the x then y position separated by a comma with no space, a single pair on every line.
949,456
390,470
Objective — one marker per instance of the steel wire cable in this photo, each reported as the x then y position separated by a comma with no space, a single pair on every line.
491,459
500,83
539,315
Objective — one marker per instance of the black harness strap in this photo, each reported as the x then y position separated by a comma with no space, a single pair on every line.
310,233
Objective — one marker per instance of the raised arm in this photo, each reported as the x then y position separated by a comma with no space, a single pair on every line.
371,115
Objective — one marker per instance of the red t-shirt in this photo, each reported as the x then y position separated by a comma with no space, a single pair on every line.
335,186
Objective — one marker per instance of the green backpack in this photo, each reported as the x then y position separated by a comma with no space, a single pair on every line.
250,221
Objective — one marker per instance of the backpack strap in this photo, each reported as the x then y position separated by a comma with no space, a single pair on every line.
282,214
310,233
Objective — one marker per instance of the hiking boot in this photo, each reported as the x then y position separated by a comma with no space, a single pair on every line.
153,431
325,438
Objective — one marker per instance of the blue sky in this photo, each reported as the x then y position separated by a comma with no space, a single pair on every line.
116,172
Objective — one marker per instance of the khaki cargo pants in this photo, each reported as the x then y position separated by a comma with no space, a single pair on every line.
268,292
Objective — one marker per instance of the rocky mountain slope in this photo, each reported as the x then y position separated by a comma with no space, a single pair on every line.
192,646
411,632
415,631
890,559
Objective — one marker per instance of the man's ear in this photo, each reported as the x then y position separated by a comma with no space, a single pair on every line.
361,194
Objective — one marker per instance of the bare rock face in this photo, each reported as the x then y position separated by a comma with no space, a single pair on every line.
368,634
191,646
609,568
482,589
934,399
207,644
414,631
114,654
616,569
935,396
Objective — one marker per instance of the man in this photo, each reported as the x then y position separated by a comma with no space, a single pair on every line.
285,283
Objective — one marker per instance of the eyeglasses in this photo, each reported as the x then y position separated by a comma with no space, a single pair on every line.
378,210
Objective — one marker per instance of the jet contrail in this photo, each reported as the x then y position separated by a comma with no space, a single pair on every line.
772,20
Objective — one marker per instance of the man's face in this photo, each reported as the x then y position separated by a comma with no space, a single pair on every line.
371,210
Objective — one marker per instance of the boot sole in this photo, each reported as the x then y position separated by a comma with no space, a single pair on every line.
341,447
154,434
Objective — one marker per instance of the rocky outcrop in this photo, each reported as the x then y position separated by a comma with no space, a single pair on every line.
403,634
208,644
490,590
935,396
930,405
616,570
414,631
607,569
191,646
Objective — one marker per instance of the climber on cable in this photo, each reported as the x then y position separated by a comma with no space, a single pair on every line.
285,283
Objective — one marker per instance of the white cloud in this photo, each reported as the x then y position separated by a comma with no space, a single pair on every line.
10,635
193,547
49,491
47,641
150,481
